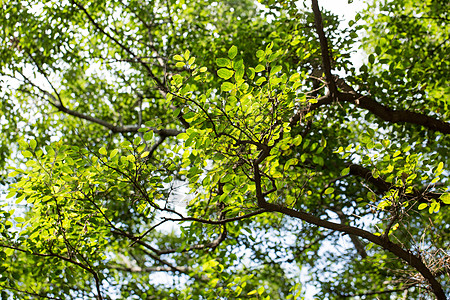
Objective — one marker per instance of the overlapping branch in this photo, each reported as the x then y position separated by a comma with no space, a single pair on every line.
362,101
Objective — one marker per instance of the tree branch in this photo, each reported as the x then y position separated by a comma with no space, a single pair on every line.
122,46
386,244
326,58
67,259
224,221
406,255
395,116
381,111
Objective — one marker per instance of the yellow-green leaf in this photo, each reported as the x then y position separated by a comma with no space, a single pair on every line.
33,144
345,171
445,198
232,52
439,168
113,153
329,191
225,73
27,154
422,206
227,86
178,57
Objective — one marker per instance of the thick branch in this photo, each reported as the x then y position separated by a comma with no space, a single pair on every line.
382,186
386,244
215,222
326,58
381,111
406,255
395,116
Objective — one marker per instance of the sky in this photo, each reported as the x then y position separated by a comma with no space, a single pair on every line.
342,8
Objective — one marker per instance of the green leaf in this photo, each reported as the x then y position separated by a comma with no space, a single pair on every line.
191,61
186,54
422,206
260,80
183,136
259,53
33,144
329,191
227,86
225,73
345,171
275,70
261,290
113,153
294,77
148,136
102,151
445,198
378,50
259,68
27,154
178,57
438,169
297,140
222,62
291,162
232,52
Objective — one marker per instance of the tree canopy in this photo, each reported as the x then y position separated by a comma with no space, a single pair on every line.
199,149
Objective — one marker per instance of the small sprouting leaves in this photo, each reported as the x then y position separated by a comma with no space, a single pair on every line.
434,207
178,57
225,73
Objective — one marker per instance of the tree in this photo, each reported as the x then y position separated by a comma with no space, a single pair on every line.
216,143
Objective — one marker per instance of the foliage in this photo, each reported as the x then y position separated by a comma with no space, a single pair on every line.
213,142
